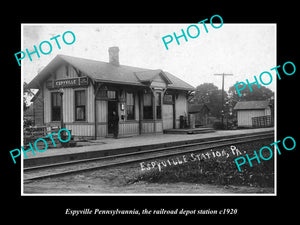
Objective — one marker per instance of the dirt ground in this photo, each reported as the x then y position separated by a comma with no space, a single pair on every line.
115,181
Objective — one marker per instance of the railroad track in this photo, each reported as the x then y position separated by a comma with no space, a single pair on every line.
77,166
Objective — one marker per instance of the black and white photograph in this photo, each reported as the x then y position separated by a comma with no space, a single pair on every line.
146,112
150,109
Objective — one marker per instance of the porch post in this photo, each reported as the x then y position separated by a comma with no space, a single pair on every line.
96,90
154,109
174,110
140,94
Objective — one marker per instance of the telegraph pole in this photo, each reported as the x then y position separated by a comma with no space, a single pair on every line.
223,75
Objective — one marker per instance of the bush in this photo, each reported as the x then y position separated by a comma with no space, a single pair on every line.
218,125
27,122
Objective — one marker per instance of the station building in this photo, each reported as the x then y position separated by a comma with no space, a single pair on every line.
83,93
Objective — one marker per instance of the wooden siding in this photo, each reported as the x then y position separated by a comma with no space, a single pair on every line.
129,128
148,126
159,126
167,115
268,111
245,117
47,104
158,82
82,129
101,130
38,110
90,104
101,111
136,108
65,71
68,105
180,107
68,97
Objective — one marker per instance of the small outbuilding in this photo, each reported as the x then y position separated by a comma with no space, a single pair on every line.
253,113
201,114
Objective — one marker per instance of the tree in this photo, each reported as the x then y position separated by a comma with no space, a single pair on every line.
256,94
26,93
209,94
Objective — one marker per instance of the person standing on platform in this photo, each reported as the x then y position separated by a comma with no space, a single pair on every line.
115,123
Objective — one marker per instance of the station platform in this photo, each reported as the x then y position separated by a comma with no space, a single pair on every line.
200,130
107,146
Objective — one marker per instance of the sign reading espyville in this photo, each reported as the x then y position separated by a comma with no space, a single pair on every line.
68,83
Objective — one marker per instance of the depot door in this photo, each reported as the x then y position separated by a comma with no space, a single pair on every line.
168,118
111,106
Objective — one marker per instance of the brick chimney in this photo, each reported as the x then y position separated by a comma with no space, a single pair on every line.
114,55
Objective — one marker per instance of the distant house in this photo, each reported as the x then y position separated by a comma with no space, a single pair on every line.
201,114
248,112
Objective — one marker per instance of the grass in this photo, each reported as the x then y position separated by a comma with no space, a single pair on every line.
217,170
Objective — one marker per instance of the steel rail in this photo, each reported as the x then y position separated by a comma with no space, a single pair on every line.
165,148
117,160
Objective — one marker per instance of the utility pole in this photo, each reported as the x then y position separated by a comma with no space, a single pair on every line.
223,74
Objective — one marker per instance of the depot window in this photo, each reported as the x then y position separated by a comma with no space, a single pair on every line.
80,105
130,105
55,106
147,109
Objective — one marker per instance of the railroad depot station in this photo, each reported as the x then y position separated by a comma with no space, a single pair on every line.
86,95
94,100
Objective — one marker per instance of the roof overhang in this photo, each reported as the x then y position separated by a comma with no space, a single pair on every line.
144,78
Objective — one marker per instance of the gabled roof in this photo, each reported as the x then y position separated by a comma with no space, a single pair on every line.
251,105
36,96
150,75
107,72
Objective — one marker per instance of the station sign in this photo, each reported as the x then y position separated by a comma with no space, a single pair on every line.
68,83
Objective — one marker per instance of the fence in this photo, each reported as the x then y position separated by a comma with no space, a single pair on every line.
33,133
262,121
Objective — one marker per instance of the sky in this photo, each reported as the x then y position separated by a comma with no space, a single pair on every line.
244,50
